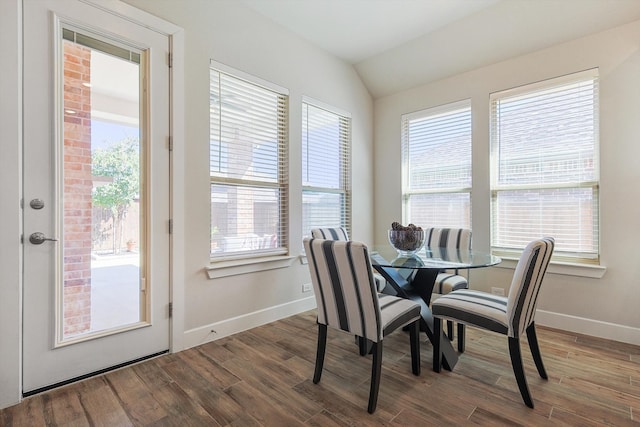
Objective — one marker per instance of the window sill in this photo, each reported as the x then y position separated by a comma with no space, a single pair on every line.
563,268
235,267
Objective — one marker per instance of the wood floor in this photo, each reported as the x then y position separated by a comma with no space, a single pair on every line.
262,377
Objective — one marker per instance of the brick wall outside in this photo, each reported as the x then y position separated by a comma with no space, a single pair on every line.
78,184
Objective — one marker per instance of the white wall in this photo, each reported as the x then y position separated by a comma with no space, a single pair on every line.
227,32
606,306
230,33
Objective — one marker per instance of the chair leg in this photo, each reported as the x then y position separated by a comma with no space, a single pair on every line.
461,337
450,330
322,346
535,350
437,336
376,371
518,370
362,345
414,336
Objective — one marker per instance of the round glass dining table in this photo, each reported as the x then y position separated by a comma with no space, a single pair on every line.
413,277
433,258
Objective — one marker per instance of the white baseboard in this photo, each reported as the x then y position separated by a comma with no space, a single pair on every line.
580,325
214,331
595,328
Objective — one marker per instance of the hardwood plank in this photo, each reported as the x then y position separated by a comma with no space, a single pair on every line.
496,399
207,395
215,350
482,416
620,349
101,405
274,382
30,412
561,417
63,407
624,394
263,377
428,417
351,413
574,400
326,419
135,396
211,370
261,407
176,402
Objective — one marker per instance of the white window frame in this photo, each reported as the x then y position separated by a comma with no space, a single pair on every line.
260,249
448,191
344,187
497,187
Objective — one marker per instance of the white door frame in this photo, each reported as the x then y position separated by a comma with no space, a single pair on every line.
10,193
11,184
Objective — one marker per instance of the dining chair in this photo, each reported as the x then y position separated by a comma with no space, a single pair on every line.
450,239
341,233
347,300
330,233
511,316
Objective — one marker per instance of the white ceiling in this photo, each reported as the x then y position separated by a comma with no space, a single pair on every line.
399,44
355,30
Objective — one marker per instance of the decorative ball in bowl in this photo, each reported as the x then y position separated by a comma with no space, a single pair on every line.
406,242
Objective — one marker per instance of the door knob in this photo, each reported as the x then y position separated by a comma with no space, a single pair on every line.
36,204
39,238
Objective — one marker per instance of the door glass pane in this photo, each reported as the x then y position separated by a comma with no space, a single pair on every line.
101,190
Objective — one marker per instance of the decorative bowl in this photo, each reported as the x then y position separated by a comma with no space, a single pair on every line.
406,242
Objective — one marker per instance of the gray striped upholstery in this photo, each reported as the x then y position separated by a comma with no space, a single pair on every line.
340,233
447,282
452,239
345,291
330,233
347,300
512,316
507,315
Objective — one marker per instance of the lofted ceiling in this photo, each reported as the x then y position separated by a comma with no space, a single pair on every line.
395,45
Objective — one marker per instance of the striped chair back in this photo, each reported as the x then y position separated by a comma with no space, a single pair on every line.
451,238
525,286
330,233
344,287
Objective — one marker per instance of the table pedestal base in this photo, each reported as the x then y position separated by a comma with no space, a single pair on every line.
418,287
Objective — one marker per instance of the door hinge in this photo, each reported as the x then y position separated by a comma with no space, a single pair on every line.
170,59
170,226
170,143
170,309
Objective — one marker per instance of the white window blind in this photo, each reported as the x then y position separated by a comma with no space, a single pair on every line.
248,166
545,173
326,170
436,166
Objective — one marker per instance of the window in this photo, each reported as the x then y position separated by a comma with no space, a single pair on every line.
436,166
544,148
248,165
326,170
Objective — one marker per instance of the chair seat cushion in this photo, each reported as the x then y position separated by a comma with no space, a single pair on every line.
448,282
474,308
396,312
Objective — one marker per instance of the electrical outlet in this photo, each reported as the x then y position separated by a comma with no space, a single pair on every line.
497,291
306,287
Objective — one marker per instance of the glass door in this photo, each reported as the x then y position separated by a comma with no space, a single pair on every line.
96,188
